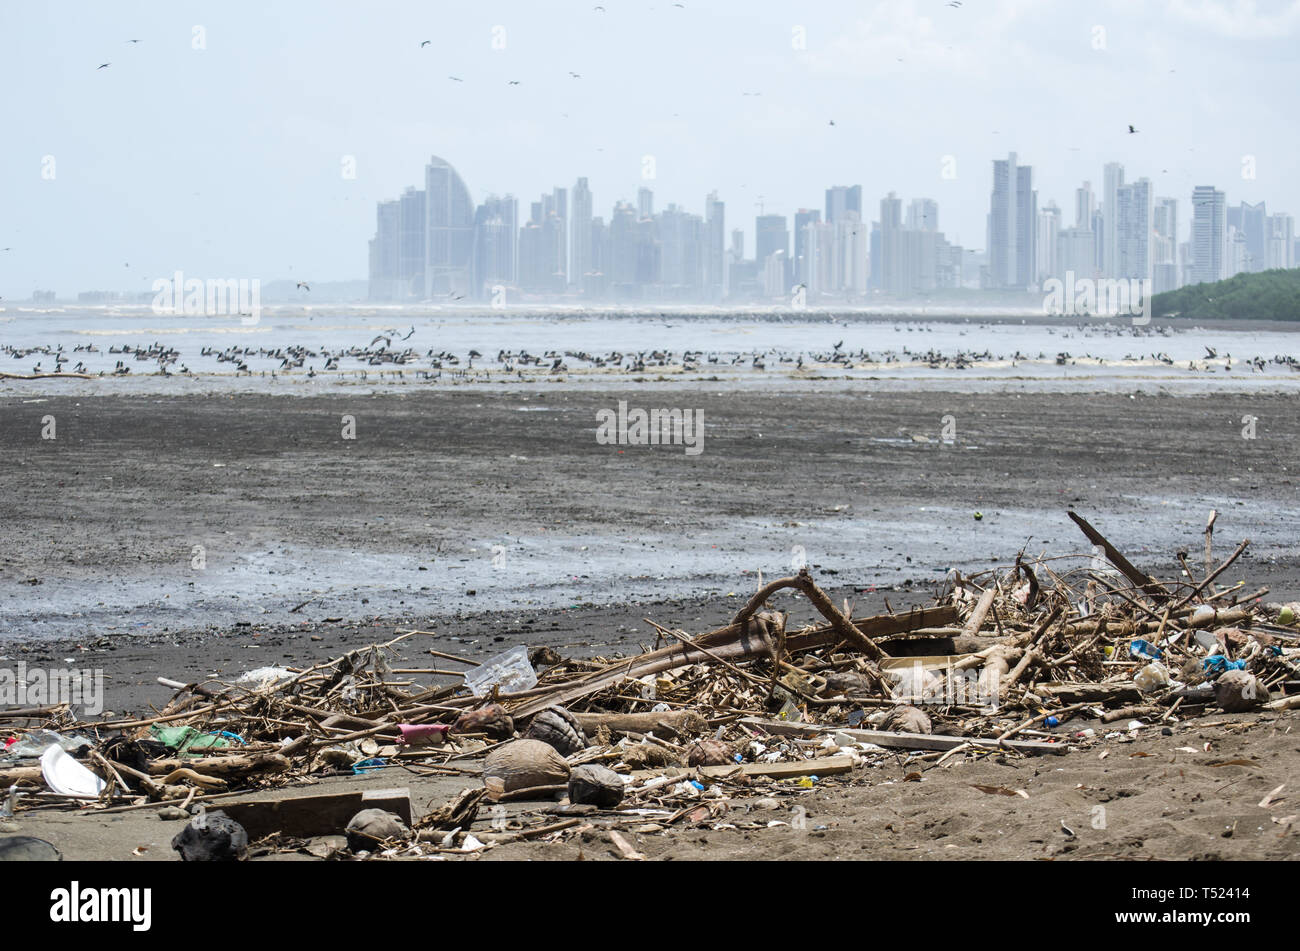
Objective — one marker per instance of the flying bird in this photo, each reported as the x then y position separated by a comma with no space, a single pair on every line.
513,82
133,41
103,65
456,78
832,122
302,285
425,43
574,75
1131,130
599,9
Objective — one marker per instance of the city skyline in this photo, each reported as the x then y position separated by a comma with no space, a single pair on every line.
1133,233
263,151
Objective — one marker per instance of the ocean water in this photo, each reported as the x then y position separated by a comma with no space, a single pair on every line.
745,348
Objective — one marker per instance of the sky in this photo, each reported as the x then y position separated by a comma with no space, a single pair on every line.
252,140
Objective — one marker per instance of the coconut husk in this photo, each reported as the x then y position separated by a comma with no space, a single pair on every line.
522,764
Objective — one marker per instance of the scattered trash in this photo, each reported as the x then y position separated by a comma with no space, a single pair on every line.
371,827
26,848
750,714
211,837
1140,648
65,776
510,671
596,785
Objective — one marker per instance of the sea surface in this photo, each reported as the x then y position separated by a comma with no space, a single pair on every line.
309,349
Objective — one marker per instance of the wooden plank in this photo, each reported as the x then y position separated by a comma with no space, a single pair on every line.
824,766
307,816
905,741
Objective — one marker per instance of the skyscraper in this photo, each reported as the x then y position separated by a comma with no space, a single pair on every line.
715,239
892,277
496,248
1083,206
1012,225
622,247
802,218
1209,235
1166,274
580,235
1113,181
449,240
1133,228
1281,241
923,214
1049,227
645,202
1076,253
1251,221
841,199
385,252
770,236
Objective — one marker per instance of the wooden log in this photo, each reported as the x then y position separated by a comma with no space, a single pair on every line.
22,775
907,741
1285,703
30,713
976,619
236,764
1128,713
676,722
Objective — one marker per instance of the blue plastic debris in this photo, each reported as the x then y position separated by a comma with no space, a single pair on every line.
1141,648
1217,664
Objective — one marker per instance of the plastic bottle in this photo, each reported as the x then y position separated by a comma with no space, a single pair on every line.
1141,648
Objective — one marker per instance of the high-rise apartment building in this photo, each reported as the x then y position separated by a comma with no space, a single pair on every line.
1209,235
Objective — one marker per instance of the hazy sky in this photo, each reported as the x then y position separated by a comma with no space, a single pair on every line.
227,161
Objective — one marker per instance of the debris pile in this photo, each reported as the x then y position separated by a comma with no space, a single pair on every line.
1008,662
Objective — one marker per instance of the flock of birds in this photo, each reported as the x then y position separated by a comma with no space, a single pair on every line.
389,353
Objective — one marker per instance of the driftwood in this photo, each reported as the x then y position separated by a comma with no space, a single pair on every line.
235,764
1062,649
977,616
21,775
731,642
665,723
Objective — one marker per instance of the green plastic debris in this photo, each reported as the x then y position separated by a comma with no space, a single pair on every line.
182,739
